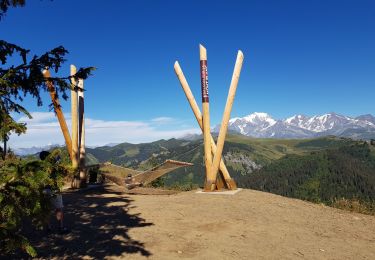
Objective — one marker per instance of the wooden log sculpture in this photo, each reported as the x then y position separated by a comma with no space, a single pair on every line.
59,113
229,182
215,182
75,144
206,119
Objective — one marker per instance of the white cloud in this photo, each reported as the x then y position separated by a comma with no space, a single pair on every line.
37,117
162,119
44,129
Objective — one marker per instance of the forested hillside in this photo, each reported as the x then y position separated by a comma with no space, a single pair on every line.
322,176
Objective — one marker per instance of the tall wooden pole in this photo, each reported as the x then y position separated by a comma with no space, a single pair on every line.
198,115
210,182
59,113
226,114
82,149
74,111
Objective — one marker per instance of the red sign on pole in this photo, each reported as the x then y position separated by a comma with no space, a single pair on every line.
204,81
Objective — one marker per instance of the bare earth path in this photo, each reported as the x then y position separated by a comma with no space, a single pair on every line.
108,223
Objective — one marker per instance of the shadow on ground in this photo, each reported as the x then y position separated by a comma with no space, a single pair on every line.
99,226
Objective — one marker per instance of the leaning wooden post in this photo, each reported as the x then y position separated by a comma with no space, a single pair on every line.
82,149
226,114
59,113
74,111
210,182
198,115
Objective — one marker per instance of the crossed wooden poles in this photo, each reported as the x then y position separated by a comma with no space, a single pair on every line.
75,144
212,151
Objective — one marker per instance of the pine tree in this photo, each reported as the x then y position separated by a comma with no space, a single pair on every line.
21,181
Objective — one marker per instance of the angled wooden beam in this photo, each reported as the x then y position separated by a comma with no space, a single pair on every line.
198,115
226,114
59,113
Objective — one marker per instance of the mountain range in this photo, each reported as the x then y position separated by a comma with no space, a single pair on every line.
262,125
34,149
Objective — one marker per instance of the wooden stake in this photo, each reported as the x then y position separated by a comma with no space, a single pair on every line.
226,114
59,113
210,182
74,111
82,149
198,115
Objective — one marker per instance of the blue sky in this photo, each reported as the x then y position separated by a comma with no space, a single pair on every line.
309,57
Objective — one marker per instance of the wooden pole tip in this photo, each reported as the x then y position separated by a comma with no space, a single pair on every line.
176,65
46,73
202,52
240,54
201,46
72,67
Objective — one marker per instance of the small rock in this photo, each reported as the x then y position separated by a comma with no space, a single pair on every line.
180,252
321,250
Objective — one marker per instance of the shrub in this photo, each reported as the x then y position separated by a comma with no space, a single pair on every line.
22,200
354,205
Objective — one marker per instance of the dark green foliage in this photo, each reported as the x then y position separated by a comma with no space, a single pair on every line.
18,81
93,173
159,182
5,4
21,181
323,176
7,126
22,200
27,77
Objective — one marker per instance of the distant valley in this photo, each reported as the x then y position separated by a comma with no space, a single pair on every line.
262,125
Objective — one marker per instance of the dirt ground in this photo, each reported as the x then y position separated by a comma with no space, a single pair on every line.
107,223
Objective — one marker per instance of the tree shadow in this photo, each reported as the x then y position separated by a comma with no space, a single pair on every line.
99,223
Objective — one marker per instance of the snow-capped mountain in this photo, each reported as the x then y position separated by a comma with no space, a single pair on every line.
368,118
300,126
252,124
